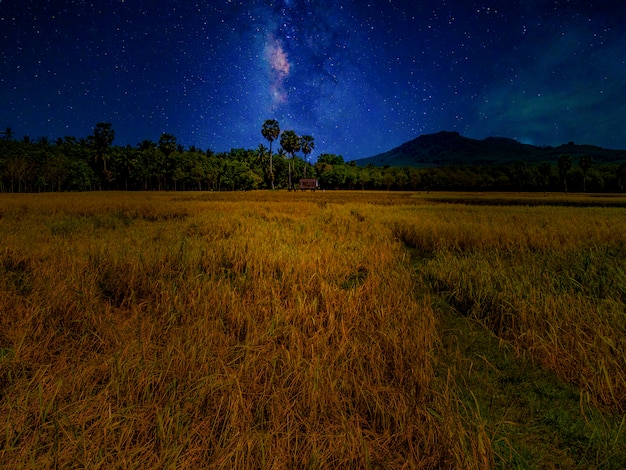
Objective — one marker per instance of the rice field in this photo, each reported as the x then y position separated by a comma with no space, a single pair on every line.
312,330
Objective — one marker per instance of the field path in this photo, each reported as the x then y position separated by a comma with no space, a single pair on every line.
533,419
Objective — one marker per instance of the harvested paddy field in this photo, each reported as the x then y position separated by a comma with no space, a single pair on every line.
312,330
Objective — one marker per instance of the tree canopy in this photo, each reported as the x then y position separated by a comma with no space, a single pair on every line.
81,164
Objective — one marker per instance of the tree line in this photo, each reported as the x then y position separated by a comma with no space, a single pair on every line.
94,163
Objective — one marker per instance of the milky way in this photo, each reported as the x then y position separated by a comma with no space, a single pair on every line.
279,71
359,76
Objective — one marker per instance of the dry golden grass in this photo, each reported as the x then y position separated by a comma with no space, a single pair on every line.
158,331
551,280
275,330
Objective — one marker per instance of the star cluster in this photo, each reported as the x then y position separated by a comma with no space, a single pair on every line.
359,76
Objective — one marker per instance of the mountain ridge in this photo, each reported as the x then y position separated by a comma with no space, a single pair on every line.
446,148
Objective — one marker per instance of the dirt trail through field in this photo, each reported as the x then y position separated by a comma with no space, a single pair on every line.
532,419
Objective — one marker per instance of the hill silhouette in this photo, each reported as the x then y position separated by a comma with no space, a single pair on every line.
451,148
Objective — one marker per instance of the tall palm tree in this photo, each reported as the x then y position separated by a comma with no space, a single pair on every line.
166,157
307,143
290,142
271,131
102,137
125,160
281,154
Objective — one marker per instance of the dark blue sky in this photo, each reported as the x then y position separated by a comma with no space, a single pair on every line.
359,76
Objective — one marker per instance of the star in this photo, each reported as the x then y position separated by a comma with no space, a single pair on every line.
361,77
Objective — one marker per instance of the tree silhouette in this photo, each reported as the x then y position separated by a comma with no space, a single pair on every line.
280,164
166,158
261,153
429,179
90,162
307,144
271,131
100,141
545,170
167,144
44,141
520,170
290,142
102,137
8,134
565,165
584,163
621,176
125,161
261,157
146,157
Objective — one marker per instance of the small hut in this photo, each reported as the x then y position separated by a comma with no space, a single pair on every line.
308,183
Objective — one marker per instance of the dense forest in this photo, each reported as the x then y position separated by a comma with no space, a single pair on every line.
94,163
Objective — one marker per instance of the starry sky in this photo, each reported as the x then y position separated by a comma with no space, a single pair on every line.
360,76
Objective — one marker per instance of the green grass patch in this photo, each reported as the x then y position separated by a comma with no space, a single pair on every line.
533,419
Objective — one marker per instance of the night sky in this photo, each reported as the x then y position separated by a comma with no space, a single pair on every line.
360,76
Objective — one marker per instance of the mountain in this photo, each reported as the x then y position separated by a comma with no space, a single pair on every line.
451,148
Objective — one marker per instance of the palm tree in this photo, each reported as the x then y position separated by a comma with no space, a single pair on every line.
281,154
43,141
167,148
585,163
125,160
146,145
8,134
260,155
565,165
100,140
167,144
290,142
307,144
271,131
146,161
